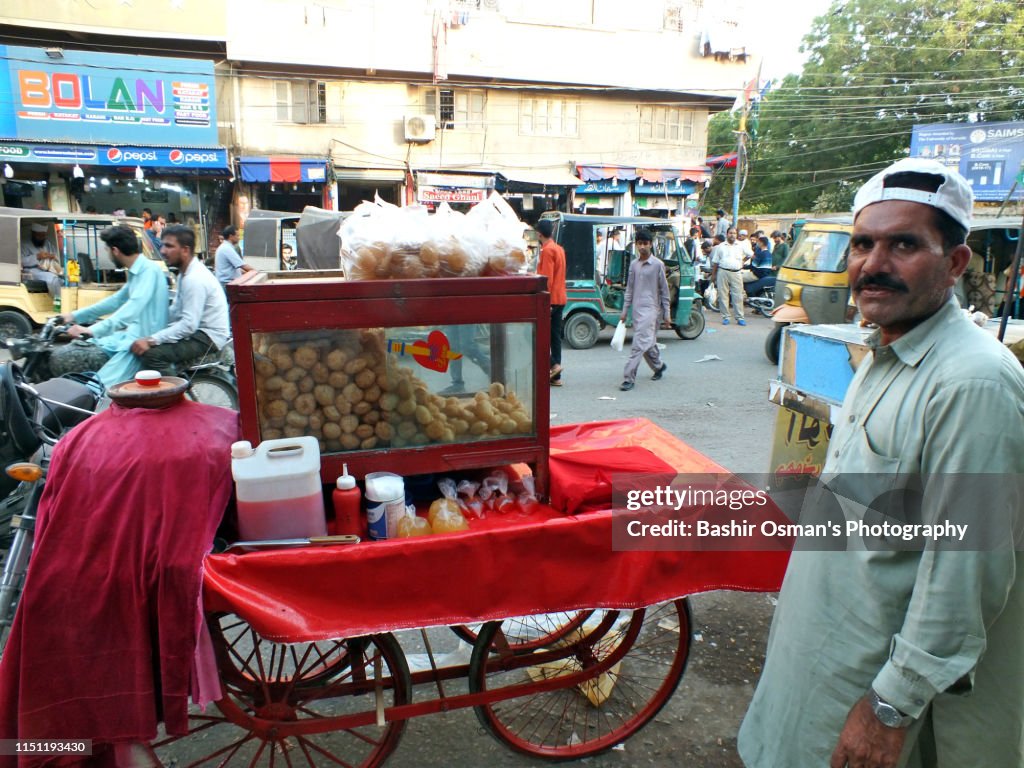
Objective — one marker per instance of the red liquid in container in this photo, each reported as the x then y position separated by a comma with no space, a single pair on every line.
282,519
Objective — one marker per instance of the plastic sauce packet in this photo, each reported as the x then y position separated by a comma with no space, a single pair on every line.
528,501
469,502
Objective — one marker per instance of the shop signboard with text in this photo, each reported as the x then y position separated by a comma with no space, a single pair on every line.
989,155
81,96
126,157
450,195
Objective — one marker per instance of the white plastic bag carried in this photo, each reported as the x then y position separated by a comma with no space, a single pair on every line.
619,339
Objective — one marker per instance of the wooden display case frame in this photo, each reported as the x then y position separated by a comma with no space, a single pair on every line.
296,301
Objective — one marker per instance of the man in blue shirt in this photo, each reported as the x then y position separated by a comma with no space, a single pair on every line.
199,314
138,309
227,263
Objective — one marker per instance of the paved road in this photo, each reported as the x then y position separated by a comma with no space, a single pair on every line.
719,407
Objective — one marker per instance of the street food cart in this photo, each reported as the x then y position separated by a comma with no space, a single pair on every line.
576,644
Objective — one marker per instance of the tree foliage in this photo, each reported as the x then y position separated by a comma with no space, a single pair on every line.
875,69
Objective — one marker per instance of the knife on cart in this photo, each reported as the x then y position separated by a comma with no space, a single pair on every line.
313,541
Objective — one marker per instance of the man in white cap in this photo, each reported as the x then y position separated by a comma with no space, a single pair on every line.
39,249
896,651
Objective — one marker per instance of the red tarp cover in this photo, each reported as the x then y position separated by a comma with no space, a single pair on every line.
102,645
504,566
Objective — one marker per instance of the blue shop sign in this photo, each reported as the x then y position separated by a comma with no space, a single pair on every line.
98,98
603,187
126,157
989,155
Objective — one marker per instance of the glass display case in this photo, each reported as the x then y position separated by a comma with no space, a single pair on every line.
406,376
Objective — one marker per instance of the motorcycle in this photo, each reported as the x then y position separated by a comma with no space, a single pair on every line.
758,294
32,419
211,376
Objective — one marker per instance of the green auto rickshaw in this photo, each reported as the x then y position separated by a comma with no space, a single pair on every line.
595,278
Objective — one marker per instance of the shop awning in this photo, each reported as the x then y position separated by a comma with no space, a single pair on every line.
283,168
722,161
556,177
695,174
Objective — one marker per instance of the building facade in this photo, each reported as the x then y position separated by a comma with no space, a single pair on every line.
596,105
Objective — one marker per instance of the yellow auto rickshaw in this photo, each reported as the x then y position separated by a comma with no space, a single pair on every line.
83,264
812,284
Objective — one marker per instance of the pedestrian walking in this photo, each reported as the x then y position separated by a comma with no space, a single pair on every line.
893,654
647,294
551,264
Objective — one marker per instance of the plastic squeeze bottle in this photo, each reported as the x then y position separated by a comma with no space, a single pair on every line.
348,506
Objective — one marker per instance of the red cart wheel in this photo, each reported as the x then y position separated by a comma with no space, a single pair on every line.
525,634
296,704
647,649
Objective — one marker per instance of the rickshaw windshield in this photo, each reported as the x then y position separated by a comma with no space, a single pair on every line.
817,251
665,246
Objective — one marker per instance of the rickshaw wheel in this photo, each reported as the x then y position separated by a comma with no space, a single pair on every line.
286,704
525,634
14,324
604,710
694,326
773,343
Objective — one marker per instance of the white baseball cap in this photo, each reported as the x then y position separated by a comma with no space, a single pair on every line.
39,229
954,196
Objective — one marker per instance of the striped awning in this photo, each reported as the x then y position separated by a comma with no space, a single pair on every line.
654,175
283,168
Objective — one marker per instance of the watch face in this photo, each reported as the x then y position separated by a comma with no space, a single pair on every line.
888,715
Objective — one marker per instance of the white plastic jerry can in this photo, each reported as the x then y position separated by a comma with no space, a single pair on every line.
277,486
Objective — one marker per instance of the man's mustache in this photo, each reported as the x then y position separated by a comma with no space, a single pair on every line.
880,281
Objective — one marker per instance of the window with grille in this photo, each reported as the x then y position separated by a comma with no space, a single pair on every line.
461,108
300,101
549,117
669,125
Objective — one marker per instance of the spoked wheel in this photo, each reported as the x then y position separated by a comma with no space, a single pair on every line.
213,390
624,667
525,634
303,704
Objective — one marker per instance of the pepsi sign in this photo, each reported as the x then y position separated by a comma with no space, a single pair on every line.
163,157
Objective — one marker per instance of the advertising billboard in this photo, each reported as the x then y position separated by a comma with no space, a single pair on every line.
125,157
80,96
989,155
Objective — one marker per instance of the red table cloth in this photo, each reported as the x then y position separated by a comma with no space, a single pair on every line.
506,565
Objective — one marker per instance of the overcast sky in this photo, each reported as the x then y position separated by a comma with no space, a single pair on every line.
781,28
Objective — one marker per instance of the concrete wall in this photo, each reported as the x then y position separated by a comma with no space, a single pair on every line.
596,42
366,129
189,19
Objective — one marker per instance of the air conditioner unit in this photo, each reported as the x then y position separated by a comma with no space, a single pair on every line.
420,128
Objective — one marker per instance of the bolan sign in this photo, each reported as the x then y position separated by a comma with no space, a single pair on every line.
106,98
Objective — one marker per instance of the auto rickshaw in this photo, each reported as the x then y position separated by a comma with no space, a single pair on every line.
595,300
812,284
89,273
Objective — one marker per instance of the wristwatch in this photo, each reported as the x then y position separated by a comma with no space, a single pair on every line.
887,714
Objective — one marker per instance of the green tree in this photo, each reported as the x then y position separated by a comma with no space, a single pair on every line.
875,69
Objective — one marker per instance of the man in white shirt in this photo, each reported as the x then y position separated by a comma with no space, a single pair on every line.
726,263
199,313
227,263
37,252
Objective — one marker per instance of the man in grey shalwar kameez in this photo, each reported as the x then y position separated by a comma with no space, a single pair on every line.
647,294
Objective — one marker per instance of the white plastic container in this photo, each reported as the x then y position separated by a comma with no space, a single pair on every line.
278,489
385,503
